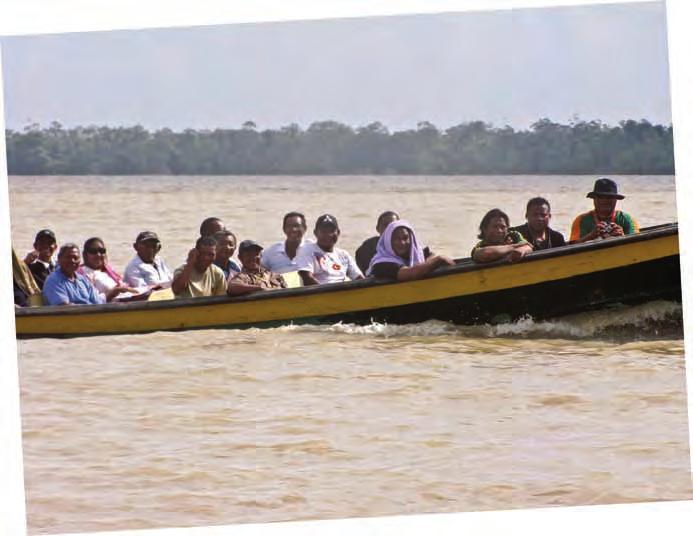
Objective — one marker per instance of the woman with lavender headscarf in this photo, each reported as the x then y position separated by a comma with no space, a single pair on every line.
398,255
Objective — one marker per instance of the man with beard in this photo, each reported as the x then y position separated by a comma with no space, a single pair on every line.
199,276
321,262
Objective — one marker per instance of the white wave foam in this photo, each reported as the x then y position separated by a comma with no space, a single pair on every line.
642,321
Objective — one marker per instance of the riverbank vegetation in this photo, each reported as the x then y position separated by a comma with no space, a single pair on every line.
329,147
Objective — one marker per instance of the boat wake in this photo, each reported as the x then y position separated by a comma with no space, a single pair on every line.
652,320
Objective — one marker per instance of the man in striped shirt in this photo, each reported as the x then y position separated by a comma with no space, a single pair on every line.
604,221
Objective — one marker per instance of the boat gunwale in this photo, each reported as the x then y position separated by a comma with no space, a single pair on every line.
463,265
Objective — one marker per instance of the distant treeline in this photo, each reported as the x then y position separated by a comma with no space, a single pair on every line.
329,147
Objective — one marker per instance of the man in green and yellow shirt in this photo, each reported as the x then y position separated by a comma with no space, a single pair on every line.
604,221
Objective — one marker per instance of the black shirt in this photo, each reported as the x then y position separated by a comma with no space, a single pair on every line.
20,297
41,272
386,270
365,253
555,238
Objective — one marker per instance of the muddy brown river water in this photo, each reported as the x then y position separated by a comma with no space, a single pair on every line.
229,426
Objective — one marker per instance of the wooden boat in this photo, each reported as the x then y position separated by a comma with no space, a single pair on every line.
545,284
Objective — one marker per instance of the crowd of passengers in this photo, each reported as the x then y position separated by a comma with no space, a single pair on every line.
86,277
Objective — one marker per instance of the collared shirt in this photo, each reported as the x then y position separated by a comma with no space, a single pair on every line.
326,266
262,278
41,270
211,282
60,290
140,274
275,258
230,269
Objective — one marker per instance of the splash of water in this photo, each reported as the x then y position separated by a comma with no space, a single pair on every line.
653,320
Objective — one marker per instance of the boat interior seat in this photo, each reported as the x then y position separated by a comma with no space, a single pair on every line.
292,279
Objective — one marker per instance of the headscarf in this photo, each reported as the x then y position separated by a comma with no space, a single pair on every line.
385,253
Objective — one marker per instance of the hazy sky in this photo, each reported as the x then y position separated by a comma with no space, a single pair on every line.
604,62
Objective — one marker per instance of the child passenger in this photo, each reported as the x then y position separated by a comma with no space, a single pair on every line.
497,242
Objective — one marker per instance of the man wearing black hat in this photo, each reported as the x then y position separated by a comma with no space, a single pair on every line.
253,276
604,221
321,262
147,269
40,260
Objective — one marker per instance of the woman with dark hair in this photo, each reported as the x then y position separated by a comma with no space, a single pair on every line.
398,255
96,268
497,242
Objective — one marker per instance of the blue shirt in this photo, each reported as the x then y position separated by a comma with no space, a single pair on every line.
59,290
231,266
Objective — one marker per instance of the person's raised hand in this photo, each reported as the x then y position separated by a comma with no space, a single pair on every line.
31,256
192,256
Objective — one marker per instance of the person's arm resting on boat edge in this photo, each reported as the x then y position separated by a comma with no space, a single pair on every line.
237,288
511,252
390,270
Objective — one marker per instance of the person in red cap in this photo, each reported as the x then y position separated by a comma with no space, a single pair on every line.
604,221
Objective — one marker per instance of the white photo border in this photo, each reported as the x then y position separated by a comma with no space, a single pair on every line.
21,17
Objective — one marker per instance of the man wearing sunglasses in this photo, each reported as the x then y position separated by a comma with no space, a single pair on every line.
147,268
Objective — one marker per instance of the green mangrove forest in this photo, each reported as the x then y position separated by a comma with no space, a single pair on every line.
333,148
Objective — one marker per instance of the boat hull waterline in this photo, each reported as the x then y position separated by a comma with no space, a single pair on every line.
545,284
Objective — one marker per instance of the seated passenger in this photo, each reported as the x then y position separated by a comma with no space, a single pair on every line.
65,285
604,221
537,231
199,276
400,257
226,247
497,242
40,260
101,274
210,226
321,262
26,291
366,251
147,269
253,277
280,257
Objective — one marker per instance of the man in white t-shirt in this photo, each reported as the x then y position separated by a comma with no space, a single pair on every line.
322,262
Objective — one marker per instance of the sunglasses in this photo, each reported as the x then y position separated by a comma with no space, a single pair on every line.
95,251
